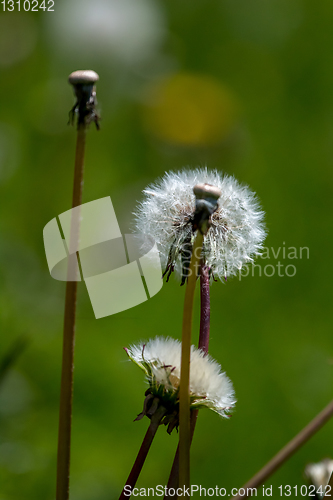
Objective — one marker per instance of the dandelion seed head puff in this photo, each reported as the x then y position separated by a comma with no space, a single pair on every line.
160,359
237,229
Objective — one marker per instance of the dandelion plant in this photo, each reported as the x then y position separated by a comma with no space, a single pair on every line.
160,360
206,224
84,108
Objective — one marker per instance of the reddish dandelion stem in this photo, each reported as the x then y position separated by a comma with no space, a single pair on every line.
143,452
204,309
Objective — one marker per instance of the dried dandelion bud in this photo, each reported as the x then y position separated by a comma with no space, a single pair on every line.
83,82
83,77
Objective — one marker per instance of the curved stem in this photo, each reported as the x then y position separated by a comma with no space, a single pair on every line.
143,452
288,450
184,390
66,389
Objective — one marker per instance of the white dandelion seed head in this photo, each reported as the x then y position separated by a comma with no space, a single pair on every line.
160,359
319,473
237,230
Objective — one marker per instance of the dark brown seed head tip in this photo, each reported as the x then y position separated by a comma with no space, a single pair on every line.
83,77
203,191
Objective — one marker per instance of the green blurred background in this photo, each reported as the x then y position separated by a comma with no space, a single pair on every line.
244,86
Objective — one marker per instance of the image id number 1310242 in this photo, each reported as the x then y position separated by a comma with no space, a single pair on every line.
27,5
305,491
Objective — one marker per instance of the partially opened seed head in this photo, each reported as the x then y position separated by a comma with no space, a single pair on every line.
160,360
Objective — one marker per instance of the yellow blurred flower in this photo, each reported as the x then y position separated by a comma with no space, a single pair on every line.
190,110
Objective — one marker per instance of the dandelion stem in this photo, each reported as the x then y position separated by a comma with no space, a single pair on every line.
66,389
184,390
203,344
204,308
173,481
143,452
83,82
287,451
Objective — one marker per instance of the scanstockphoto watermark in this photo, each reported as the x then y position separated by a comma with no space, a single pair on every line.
198,490
284,258
193,490
122,271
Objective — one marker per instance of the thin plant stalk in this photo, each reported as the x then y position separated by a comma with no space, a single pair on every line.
204,308
83,82
143,452
203,345
287,451
184,390
66,388
173,481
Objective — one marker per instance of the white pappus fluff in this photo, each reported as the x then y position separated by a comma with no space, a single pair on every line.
237,230
160,359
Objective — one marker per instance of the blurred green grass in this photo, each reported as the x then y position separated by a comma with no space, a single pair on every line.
271,335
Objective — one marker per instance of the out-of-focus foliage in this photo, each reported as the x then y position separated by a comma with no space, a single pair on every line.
245,86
